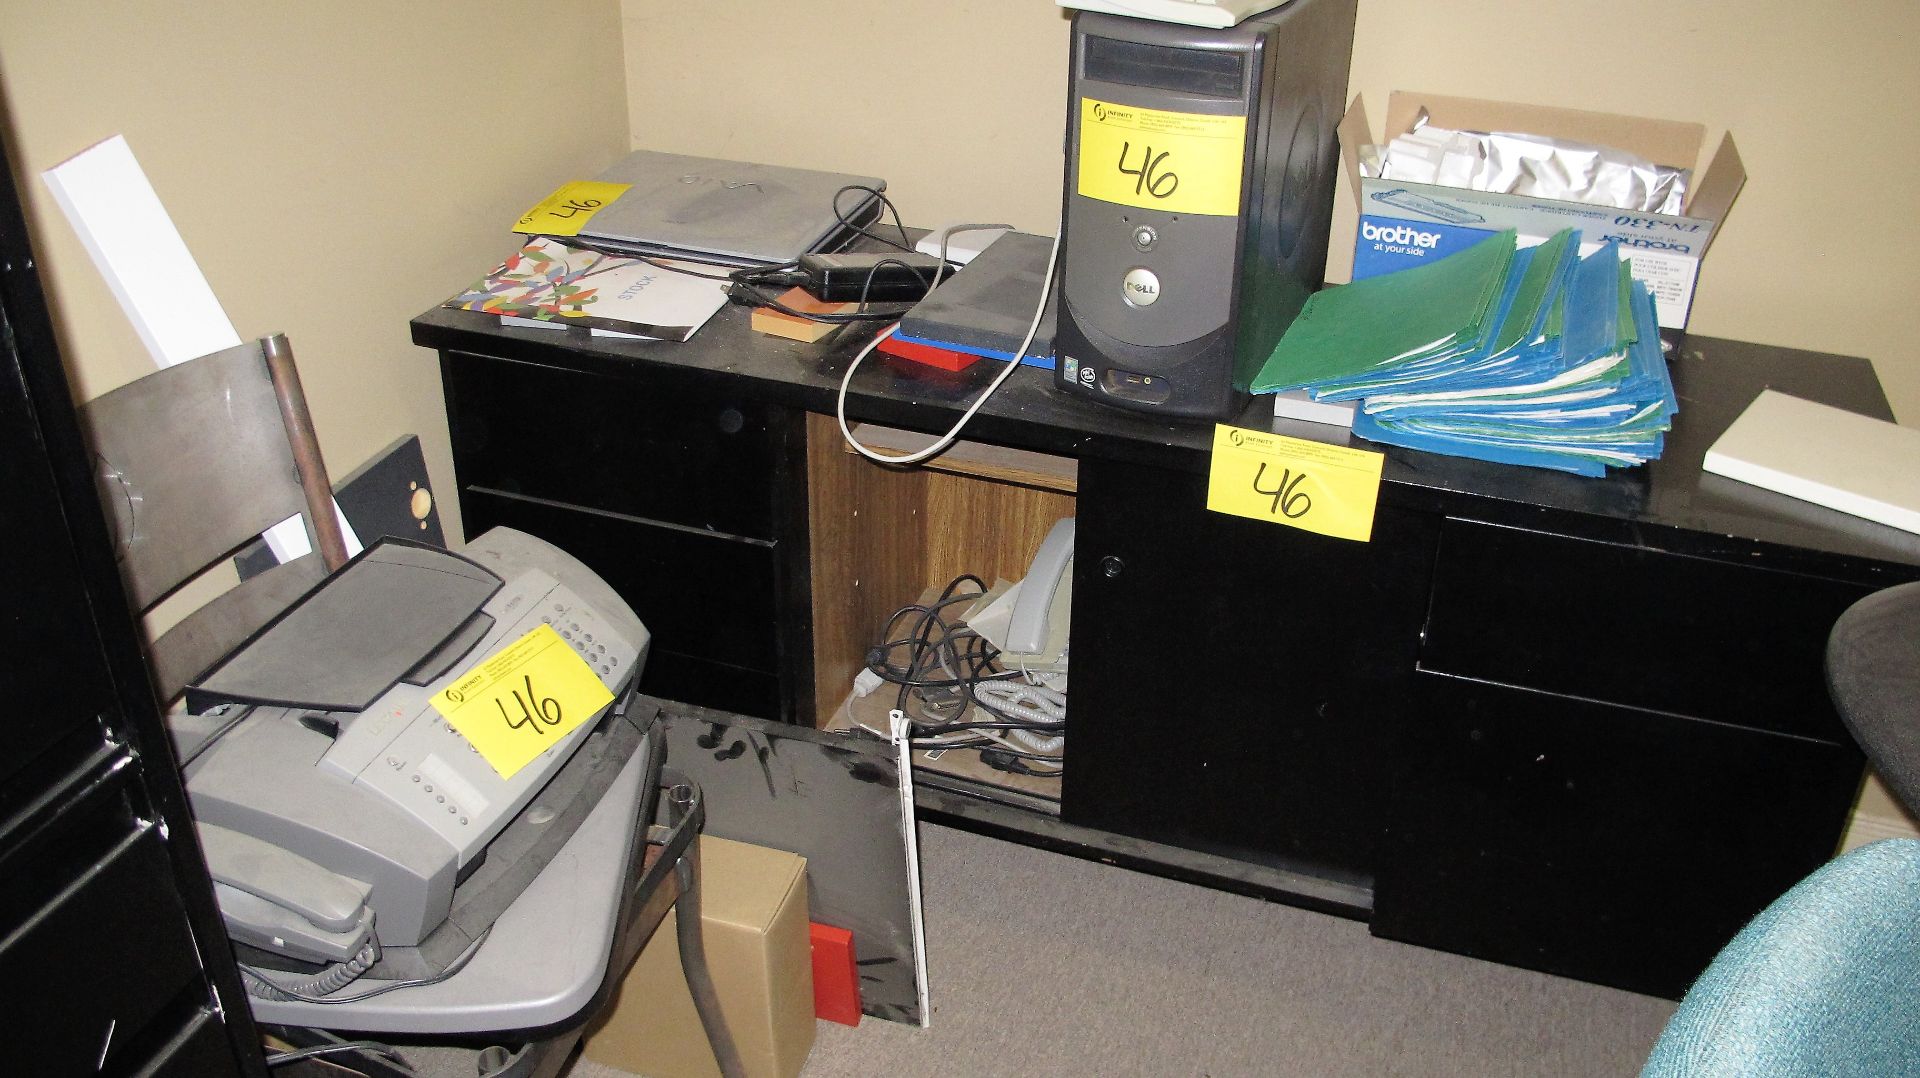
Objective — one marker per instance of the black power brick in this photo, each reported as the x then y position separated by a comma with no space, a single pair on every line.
846,278
1002,760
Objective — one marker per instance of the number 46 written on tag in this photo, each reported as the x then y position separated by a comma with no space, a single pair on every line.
1328,489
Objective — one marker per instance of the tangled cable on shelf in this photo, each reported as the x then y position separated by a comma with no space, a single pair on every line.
941,665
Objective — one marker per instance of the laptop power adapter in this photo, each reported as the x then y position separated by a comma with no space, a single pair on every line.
879,278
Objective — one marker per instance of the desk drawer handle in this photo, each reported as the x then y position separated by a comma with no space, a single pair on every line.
1112,566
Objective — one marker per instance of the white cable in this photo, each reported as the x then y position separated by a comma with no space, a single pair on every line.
1023,741
1022,702
1038,743
973,739
947,439
1029,703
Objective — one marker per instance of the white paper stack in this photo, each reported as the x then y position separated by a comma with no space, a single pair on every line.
1825,455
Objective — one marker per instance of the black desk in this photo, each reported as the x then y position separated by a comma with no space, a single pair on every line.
1573,724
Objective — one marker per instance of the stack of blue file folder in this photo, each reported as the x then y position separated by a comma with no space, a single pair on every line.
1532,356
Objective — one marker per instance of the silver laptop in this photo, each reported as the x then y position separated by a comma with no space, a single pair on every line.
729,212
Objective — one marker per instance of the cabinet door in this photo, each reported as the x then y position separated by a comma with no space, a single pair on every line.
102,928
1236,684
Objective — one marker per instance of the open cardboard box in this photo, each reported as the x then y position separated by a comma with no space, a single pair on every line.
1403,224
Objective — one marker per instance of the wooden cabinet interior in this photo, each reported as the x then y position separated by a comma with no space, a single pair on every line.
880,535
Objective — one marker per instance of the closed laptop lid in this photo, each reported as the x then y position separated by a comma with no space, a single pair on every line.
730,211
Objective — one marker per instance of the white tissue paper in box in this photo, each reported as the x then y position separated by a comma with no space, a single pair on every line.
1535,165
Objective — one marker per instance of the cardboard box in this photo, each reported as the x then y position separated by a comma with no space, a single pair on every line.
1403,224
753,906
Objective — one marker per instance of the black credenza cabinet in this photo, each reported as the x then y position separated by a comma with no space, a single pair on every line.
1576,725
111,946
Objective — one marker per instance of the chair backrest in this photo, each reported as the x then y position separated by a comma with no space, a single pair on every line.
193,461
1873,673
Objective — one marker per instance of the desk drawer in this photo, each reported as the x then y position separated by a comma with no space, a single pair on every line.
691,679
708,596
680,456
1632,626
1615,845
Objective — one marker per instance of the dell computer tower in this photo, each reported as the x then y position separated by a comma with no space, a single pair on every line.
1199,187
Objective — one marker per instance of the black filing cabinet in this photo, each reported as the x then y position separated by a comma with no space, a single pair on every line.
1611,788
110,944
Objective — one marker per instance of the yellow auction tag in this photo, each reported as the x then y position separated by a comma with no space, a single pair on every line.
1329,489
563,212
1181,162
522,699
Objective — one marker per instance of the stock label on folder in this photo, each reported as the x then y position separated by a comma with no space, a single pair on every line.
518,701
1329,489
1181,162
566,210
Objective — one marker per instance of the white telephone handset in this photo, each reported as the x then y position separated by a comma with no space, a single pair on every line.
1027,632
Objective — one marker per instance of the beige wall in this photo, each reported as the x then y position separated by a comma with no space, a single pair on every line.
335,169
961,106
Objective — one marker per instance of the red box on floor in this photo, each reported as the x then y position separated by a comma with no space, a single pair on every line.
836,976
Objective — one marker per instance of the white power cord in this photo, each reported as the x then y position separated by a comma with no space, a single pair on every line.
947,439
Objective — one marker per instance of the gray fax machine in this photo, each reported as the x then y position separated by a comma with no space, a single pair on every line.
343,819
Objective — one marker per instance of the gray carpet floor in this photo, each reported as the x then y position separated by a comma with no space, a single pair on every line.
1048,965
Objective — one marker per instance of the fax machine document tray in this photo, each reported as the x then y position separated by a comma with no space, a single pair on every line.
399,611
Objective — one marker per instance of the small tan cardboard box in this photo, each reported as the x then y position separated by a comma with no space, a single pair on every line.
753,905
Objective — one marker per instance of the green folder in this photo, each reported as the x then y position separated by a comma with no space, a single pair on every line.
1397,317
1550,261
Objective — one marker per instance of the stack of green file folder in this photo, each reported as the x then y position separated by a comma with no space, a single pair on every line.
1531,356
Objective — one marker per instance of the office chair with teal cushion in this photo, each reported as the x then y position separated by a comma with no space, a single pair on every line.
1826,980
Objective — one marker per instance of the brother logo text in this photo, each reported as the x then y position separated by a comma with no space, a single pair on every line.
1399,234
